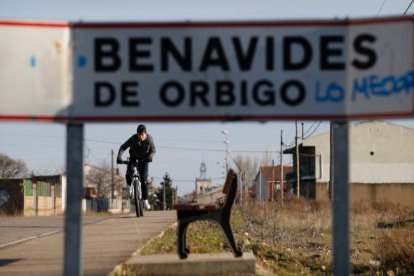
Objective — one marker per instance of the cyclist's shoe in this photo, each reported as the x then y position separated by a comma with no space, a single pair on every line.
146,204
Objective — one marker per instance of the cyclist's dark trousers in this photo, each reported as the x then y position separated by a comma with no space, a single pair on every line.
129,175
143,174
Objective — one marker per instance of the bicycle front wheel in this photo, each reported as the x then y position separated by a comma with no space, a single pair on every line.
138,203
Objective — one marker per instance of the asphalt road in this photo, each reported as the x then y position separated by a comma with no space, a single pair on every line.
14,230
106,242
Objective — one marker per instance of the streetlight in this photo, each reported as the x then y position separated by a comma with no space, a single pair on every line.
222,166
225,132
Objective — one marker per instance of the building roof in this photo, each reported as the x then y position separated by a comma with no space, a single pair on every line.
270,171
292,150
365,123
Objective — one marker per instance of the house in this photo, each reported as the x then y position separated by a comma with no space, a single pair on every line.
267,179
381,164
309,162
46,195
98,182
35,196
214,195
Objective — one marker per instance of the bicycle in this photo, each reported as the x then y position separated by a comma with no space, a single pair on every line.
135,191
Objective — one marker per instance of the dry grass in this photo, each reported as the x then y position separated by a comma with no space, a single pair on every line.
289,239
301,230
296,238
395,251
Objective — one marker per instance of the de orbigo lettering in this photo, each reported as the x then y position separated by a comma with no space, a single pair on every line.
208,67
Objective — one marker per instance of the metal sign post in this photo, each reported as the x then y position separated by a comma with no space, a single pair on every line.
73,216
341,246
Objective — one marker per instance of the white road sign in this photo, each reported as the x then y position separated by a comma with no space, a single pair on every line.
207,70
35,70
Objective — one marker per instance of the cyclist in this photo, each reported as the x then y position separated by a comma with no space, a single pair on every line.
142,148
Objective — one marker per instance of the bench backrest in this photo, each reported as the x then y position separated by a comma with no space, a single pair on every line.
230,189
227,183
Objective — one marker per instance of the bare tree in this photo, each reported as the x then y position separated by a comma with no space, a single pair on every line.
247,166
10,168
101,178
266,158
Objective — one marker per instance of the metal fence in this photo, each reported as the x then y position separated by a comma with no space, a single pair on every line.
107,205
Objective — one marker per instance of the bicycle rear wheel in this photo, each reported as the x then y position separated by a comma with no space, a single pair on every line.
138,203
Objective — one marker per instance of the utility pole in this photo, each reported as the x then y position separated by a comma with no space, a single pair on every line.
281,166
246,184
303,135
331,163
175,194
172,197
273,178
225,132
260,183
241,187
297,161
112,176
164,201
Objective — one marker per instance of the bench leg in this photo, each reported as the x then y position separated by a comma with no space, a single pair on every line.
185,239
182,250
225,225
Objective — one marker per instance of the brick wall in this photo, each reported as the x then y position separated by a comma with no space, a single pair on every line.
28,206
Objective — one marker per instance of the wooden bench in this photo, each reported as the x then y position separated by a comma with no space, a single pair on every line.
219,213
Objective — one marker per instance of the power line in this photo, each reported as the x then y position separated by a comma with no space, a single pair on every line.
89,151
163,147
290,144
408,7
314,130
306,132
190,149
176,140
103,141
178,180
379,11
193,149
255,151
185,180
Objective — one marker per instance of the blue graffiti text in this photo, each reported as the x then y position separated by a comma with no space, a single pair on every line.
333,92
375,86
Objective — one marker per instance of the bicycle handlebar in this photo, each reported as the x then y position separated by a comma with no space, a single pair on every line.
126,162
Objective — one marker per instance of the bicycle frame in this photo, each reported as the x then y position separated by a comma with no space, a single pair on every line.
137,178
136,190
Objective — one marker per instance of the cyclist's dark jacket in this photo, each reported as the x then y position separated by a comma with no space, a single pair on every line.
143,151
